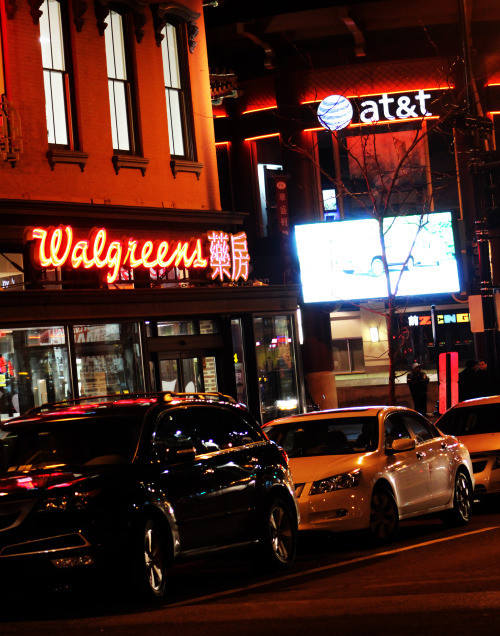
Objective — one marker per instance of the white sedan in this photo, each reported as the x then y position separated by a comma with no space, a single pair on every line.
477,424
370,467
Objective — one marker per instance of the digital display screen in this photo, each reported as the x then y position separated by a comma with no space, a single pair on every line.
342,260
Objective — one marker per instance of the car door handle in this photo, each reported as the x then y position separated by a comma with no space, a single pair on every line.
444,446
420,455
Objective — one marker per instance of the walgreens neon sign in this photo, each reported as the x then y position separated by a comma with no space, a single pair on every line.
58,247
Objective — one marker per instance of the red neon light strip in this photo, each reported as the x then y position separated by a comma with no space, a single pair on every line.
393,121
262,136
257,110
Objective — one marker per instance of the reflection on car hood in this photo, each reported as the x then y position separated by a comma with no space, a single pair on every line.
37,482
481,443
306,469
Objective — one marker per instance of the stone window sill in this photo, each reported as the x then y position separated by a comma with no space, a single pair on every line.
130,161
182,165
67,156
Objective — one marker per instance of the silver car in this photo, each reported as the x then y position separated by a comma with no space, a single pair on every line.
370,467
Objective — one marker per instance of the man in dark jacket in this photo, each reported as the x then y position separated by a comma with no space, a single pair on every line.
469,381
417,382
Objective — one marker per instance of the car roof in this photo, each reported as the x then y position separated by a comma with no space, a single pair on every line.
132,404
490,399
353,411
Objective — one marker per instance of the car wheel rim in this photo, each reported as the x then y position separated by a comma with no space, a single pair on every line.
153,559
377,268
280,530
462,497
383,516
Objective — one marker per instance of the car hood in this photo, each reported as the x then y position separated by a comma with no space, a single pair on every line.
307,469
34,483
481,443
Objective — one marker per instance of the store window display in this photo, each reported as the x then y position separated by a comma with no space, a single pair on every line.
34,368
108,359
276,366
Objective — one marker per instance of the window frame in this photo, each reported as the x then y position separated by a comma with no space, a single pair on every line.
129,84
67,77
185,119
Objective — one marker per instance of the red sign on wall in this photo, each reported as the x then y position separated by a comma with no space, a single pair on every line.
282,206
448,380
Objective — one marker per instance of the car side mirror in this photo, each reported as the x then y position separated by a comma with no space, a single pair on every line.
401,445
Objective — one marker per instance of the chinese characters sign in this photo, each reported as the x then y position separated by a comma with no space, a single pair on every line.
282,206
227,254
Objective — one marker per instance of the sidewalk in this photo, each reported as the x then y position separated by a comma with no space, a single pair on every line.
362,389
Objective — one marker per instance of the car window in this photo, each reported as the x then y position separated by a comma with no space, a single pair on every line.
471,420
208,429
395,428
421,429
336,436
72,441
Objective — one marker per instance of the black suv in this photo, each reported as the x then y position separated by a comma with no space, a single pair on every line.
130,485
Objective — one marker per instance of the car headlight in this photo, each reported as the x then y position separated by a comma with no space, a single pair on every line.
70,501
336,482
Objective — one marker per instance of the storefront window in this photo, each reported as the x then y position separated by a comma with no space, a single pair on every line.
108,359
239,361
11,271
182,328
34,368
348,355
276,366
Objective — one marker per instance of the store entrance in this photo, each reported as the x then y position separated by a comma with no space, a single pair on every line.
194,355
186,373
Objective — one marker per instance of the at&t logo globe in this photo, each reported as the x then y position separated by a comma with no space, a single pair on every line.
335,112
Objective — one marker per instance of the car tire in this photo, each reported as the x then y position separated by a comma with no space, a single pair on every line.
153,559
278,538
461,512
384,516
377,267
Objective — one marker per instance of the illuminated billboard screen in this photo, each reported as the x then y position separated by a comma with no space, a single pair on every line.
342,260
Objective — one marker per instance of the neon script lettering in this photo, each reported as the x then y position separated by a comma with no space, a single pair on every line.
57,248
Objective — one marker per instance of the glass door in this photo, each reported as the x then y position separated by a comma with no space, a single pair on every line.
186,373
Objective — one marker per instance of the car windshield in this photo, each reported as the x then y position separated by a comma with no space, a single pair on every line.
471,420
336,436
75,441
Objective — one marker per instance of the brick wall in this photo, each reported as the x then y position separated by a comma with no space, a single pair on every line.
32,177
